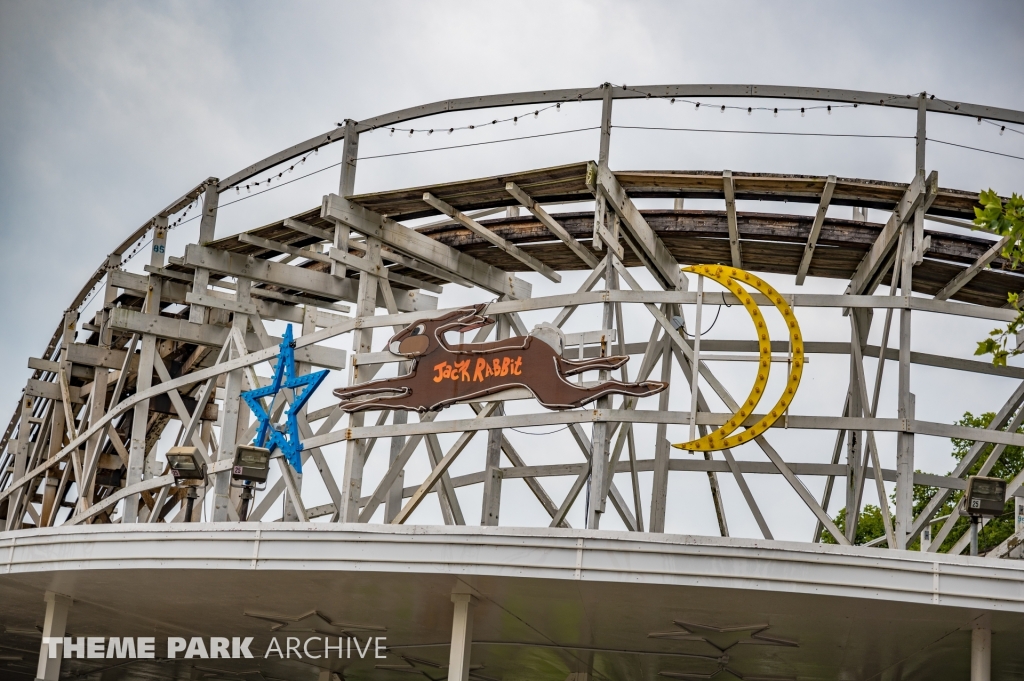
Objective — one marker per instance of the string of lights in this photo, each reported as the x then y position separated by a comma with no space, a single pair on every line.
952,106
401,153
195,202
765,132
140,244
479,144
280,175
749,109
515,118
803,109
328,138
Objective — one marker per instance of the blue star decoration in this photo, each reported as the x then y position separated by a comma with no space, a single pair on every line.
286,436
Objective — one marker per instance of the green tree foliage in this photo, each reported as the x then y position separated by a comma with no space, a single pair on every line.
1006,220
1009,465
869,526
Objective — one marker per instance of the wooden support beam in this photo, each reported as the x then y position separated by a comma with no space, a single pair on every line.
886,241
812,238
962,279
182,331
265,311
348,259
729,189
545,219
412,243
297,278
481,231
435,475
321,234
648,245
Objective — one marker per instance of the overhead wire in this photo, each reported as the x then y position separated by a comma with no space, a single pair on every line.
984,151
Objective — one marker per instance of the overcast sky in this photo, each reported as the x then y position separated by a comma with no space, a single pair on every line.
110,110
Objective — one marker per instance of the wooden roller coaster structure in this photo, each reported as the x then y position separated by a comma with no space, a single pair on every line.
180,343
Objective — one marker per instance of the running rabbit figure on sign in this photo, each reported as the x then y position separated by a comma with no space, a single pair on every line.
443,374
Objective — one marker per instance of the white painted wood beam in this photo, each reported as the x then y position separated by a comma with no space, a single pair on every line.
965,277
645,242
553,225
919,190
412,243
812,238
730,209
481,231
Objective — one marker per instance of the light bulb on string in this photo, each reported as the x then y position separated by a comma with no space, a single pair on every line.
749,110
697,107
829,107
723,108
430,132
515,120
558,108
979,120
1002,130
392,133
450,130
801,112
411,132
536,113
672,101
776,112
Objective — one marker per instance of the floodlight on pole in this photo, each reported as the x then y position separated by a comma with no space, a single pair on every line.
984,497
189,471
251,466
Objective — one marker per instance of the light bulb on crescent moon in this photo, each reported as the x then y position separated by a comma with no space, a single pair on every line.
722,438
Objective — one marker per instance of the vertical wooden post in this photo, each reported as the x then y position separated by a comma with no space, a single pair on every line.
144,380
231,411
366,306
346,187
695,376
291,514
659,486
53,475
600,208
393,501
14,512
905,439
207,232
855,443
601,436
490,508
92,448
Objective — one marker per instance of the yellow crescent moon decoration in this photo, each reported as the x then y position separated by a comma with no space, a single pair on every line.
730,277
